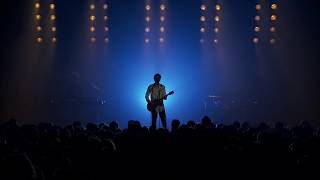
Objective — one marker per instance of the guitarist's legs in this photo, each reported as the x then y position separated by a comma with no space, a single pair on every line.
154,114
163,118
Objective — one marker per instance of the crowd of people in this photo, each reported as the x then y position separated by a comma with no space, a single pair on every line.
77,151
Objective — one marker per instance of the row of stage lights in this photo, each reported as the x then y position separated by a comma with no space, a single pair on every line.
93,22
148,21
206,18
52,25
273,17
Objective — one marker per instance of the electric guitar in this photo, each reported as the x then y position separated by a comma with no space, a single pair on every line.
154,104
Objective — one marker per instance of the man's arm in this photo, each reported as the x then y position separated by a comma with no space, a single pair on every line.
148,94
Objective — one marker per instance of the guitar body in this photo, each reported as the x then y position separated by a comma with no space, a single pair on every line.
153,105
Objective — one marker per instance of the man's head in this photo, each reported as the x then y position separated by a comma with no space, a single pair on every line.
157,78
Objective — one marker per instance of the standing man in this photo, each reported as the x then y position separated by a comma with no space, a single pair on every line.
155,95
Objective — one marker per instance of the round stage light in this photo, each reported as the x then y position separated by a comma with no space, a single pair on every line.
257,29
147,40
202,30
53,17
162,7
148,7
106,18
201,40
92,29
106,40
92,17
272,41
37,5
162,18
203,7
147,29
273,17
52,6
53,29
255,40
162,29
217,18
54,39
39,39
216,30
93,39
274,6
92,6
147,18
106,29
257,18
216,41
273,29
38,17
258,7
218,7
202,18
39,28
161,40
105,6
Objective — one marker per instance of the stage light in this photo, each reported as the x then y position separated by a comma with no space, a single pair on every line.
53,29
255,40
93,39
52,6
202,18
273,17
53,17
216,41
218,7
37,5
39,39
162,18
161,40
273,29
54,39
274,6
148,7
92,6
105,6
201,40
257,18
257,29
147,29
106,40
202,30
38,17
162,29
217,18
105,18
148,19
272,41
216,30
203,7
147,40
258,7
92,17
162,7
39,28
92,29
106,29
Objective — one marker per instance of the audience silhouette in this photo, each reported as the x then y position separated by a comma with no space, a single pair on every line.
47,151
